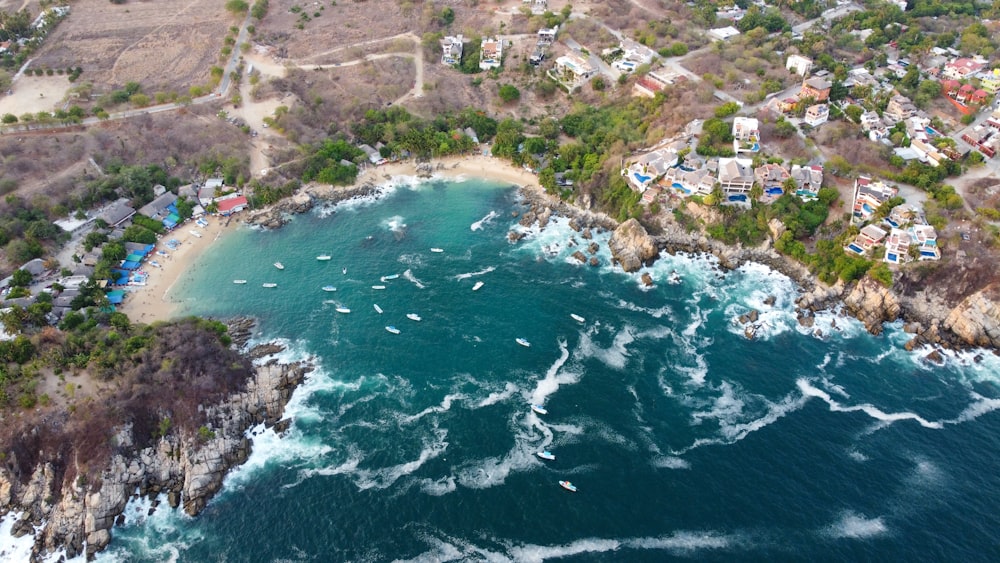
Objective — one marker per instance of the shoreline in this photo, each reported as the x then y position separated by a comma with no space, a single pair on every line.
153,302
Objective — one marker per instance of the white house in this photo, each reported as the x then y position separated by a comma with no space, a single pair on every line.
746,134
723,33
491,53
451,50
645,169
571,70
798,64
817,115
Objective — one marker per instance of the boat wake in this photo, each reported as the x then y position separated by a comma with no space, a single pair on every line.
468,275
408,274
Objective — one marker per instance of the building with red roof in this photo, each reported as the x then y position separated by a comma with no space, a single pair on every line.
232,205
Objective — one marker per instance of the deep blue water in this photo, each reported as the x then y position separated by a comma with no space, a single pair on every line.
685,439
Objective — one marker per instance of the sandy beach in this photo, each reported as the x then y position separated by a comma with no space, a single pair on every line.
154,301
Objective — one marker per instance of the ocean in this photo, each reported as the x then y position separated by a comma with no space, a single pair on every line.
685,439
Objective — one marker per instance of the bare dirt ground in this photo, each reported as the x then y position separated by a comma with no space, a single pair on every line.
164,45
32,94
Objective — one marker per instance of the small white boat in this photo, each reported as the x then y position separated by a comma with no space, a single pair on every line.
239,282
389,277
279,265
343,310
323,257
539,409
568,486
577,318
392,329
270,285
345,271
522,342
195,233
547,455
329,288
377,308
378,287
477,286
437,250
413,317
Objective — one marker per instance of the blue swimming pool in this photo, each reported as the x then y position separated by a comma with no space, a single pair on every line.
642,179
856,248
775,191
738,197
892,257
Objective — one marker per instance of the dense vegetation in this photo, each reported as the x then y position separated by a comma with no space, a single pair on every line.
159,376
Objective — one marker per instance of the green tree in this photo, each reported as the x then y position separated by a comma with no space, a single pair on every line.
9,118
237,7
509,93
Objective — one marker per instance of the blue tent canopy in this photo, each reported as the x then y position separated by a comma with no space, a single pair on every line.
115,297
130,265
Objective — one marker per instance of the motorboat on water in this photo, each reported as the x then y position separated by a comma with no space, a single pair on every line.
522,342
437,250
329,288
378,287
270,285
323,257
279,265
546,455
413,317
343,310
539,409
392,329
477,286
389,277
239,282
577,318
377,308
568,486
345,271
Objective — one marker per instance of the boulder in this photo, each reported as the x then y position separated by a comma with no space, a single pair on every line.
873,304
647,280
580,257
631,246
594,261
935,357
586,234
514,236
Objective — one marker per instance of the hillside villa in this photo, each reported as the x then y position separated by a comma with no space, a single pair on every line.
746,135
868,196
491,53
451,50
571,71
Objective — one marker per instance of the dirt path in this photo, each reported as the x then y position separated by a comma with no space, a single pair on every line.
404,35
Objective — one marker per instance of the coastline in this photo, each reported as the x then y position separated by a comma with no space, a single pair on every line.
154,301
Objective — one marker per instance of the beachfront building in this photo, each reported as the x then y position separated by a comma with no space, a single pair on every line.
746,135
808,180
231,204
163,209
869,236
736,177
925,237
491,53
374,156
641,171
571,71
868,196
451,50
116,214
798,64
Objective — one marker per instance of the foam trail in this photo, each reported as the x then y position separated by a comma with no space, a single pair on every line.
981,406
497,396
614,357
871,410
851,525
679,543
479,273
408,274
443,407
485,220
552,380
385,477
732,433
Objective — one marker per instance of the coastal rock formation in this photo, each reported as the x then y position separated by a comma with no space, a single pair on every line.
976,320
873,304
631,246
189,468
304,200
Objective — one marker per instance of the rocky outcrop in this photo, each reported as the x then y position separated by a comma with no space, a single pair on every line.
631,246
304,200
873,304
188,466
976,320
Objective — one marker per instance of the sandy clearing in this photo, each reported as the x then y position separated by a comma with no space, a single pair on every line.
34,94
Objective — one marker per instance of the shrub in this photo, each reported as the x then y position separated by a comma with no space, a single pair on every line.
508,93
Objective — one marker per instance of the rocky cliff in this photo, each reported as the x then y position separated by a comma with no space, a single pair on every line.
976,320
632,247
303,200
188,467
873,304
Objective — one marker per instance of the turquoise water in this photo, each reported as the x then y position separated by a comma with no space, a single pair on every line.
685,439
